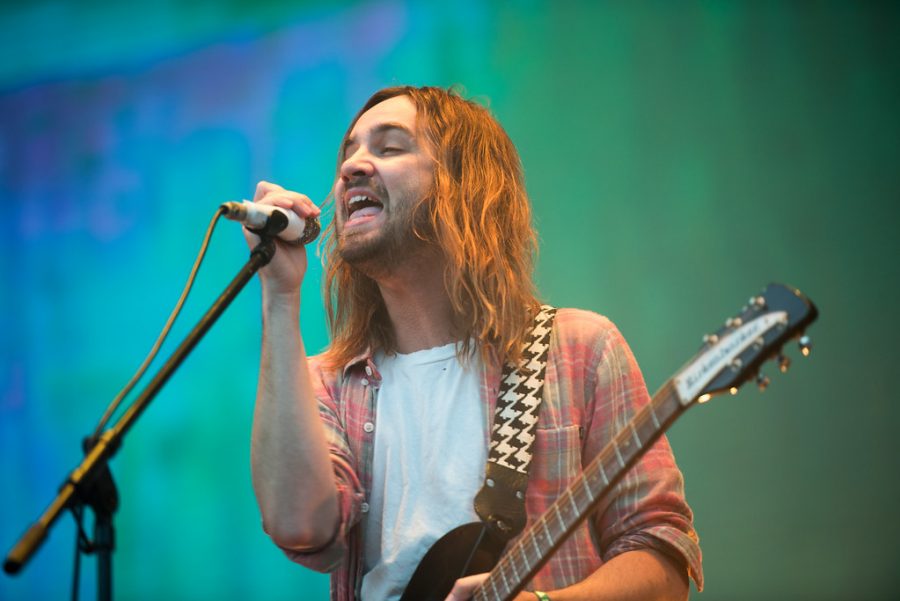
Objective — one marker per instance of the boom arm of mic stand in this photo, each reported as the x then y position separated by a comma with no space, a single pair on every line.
111,439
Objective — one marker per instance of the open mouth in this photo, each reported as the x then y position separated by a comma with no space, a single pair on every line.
361,205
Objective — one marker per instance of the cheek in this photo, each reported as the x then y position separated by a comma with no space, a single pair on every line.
424,179
337,194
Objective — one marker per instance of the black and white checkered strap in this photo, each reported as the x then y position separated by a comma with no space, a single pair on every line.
519,399
501,501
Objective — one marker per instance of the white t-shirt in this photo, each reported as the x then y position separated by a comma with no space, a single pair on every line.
429,457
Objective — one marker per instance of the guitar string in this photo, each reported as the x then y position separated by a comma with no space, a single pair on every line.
519,552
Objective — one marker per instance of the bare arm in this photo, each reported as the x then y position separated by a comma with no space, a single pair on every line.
292,474
631,576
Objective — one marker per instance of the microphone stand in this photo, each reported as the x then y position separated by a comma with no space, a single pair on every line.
91,482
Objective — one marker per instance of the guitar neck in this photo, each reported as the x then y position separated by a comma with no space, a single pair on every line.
535,546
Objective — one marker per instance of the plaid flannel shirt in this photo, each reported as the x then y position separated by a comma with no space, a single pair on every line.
592,388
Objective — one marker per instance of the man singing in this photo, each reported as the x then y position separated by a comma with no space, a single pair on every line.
365,455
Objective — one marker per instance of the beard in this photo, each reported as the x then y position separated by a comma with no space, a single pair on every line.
389,247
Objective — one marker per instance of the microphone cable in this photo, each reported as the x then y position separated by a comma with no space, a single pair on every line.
114,404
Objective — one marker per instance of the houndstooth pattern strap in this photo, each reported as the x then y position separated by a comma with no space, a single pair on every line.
519,399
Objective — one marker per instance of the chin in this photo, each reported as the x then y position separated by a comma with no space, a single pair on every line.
353,250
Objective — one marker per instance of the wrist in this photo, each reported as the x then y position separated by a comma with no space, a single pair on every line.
281,300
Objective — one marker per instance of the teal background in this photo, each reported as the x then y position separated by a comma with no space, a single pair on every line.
679,157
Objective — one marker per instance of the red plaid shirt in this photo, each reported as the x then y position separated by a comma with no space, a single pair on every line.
592,388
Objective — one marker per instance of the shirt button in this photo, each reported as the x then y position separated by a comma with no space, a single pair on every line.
365,382
369,427
364,508
368,370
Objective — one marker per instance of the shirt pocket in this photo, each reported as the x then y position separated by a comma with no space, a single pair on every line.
556,461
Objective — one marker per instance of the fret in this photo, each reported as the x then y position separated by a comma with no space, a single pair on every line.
653,416
480,593
647,431
537,548
572,501
512,565
494,587
602,471
670,403
524,555
618,454
505,581
561,512
547,530
587,489
559,517
634,433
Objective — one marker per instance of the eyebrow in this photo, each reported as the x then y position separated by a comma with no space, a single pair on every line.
378,129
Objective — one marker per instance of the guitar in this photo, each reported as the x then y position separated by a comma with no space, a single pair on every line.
728,359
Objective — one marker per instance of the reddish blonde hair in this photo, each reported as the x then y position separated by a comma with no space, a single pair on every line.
478,214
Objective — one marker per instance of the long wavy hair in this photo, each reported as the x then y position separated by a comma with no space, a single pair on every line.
479,216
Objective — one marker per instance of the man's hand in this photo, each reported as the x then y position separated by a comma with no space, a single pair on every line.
640,575
464,587
284,274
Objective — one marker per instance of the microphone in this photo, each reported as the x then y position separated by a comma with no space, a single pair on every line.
256,216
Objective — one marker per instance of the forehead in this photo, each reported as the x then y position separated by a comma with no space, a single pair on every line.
399,111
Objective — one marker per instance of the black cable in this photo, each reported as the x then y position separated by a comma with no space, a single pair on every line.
79,547
165,331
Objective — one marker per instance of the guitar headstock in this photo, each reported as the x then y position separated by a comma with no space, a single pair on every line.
733,354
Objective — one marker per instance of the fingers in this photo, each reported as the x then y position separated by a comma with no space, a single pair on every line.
273,194
464,587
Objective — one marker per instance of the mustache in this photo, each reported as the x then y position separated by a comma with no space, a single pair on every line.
367,182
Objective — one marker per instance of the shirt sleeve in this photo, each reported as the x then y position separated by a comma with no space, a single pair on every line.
328,557
647,509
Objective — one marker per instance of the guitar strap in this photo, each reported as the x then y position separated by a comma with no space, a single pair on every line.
501,501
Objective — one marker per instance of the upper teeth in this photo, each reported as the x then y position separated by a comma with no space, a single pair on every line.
357,198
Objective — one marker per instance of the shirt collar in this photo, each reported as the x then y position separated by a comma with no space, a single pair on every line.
364,361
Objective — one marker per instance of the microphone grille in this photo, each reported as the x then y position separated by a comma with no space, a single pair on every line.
310,231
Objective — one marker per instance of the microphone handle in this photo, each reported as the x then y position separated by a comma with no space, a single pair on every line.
256,216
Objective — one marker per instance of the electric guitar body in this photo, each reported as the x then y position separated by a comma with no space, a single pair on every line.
465,550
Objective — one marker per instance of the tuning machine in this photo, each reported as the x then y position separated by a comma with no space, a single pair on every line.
784,363
805,345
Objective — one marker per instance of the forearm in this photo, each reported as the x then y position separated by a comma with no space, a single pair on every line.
292,474
631,576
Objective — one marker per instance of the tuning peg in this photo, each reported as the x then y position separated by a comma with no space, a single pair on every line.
758,302
763,382
733,322
710,339
805,345
784,363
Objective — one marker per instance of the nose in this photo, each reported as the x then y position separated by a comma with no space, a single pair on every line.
358,164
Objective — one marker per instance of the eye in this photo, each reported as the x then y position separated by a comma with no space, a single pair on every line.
391,149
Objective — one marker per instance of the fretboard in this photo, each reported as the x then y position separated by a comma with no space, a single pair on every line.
534,547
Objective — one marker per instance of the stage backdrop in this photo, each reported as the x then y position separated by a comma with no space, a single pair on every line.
678,157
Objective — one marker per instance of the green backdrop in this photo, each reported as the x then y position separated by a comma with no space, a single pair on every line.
679,157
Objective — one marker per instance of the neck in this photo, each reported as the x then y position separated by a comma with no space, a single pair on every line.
417,303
